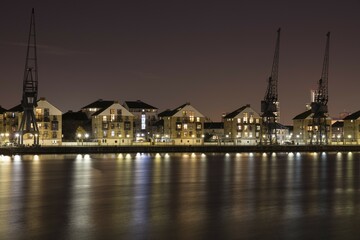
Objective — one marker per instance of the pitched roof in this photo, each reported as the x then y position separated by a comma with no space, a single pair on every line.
353,116
168,112
338,124
99,104
303,115
17,108
138,104
165,113
236,112
2,110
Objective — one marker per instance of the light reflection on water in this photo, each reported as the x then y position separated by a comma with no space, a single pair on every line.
182,195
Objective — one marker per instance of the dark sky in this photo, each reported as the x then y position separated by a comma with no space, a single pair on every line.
215,54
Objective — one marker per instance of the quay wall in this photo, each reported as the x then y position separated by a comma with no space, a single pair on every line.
173,149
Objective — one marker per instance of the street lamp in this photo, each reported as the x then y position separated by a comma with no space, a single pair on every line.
79,136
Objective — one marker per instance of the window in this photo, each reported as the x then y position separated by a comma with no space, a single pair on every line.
251,120
54,134
143,122
104,118
257,120
239,120
239,127
54,125
185,126
46,112
127,126
178,126
198,119
198,126
245,118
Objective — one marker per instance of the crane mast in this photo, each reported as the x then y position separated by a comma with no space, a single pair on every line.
269,106
319,108
28,123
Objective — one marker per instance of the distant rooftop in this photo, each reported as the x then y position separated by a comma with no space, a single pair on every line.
169,113
138,105
236,112
2,110
17,108
353,116
303,115
99,104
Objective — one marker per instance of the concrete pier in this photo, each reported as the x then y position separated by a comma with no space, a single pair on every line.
172,149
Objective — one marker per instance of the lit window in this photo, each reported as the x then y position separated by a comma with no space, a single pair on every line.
185,126
198,119
143,121
251,120
245,118
104,118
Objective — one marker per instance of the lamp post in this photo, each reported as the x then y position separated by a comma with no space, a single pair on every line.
86,135
79,137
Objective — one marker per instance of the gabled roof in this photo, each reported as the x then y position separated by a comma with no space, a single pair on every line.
2,110
138,105
353,116
115,105
338,124
43,103
169,113
78,116
303,115
17,108
165,113
181,110
239,110
99,104
214,125
236,112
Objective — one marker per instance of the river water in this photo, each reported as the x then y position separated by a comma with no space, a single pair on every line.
181,196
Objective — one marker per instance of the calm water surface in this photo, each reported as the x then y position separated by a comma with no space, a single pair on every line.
181,196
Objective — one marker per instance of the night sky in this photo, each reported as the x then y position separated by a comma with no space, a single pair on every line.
217,55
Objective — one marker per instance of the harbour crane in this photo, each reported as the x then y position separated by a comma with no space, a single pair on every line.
319,108
269,106
28,123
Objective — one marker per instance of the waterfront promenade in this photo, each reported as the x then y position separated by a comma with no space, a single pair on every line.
172,149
